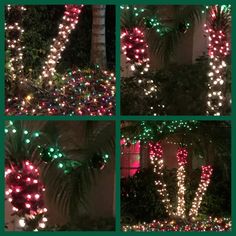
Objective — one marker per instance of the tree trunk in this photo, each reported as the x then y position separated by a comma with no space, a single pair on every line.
98,47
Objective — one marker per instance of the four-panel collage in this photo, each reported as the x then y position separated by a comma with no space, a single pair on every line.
158,161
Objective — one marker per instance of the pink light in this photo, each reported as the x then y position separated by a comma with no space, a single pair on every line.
17,190
182,155
155,150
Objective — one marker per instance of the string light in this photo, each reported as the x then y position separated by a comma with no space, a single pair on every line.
82,92
181,160
204,182
150,130
14,36
69,21
218,49
153,21
25,191
155,154
209,224
135,48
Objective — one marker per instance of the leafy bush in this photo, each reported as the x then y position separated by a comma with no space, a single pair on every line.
140,200
182,89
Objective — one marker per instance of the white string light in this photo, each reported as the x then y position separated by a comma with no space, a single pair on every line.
15,32
204,182
69,21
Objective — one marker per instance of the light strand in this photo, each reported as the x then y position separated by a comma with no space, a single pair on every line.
182,160
204,182
135,48
14,32
69,21
156,156
218,49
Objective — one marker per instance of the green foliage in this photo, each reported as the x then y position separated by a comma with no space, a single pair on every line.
139,198
40,24
140,201
182,90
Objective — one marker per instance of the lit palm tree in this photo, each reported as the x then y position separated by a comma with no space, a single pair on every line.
65,192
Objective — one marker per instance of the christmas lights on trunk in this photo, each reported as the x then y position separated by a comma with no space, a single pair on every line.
14,33
204,182
155,153
135,50
69,21
182,160
156,156
217,30
25,192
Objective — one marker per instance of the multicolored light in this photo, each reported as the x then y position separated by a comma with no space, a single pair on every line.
81,92
209,224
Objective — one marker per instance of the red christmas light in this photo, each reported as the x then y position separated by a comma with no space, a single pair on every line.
204,182
182,155
155,150
156,156
134,48
24,189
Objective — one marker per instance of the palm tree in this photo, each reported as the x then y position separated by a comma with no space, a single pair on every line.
65,193
163,44
98,44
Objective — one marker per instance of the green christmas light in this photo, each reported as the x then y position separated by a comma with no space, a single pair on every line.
151,130
153,22
26,132
27,141
60,165
36,134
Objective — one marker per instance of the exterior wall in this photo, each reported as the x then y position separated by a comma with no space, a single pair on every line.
199,40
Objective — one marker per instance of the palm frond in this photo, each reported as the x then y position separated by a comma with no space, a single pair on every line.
220,18
164,46
128,18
